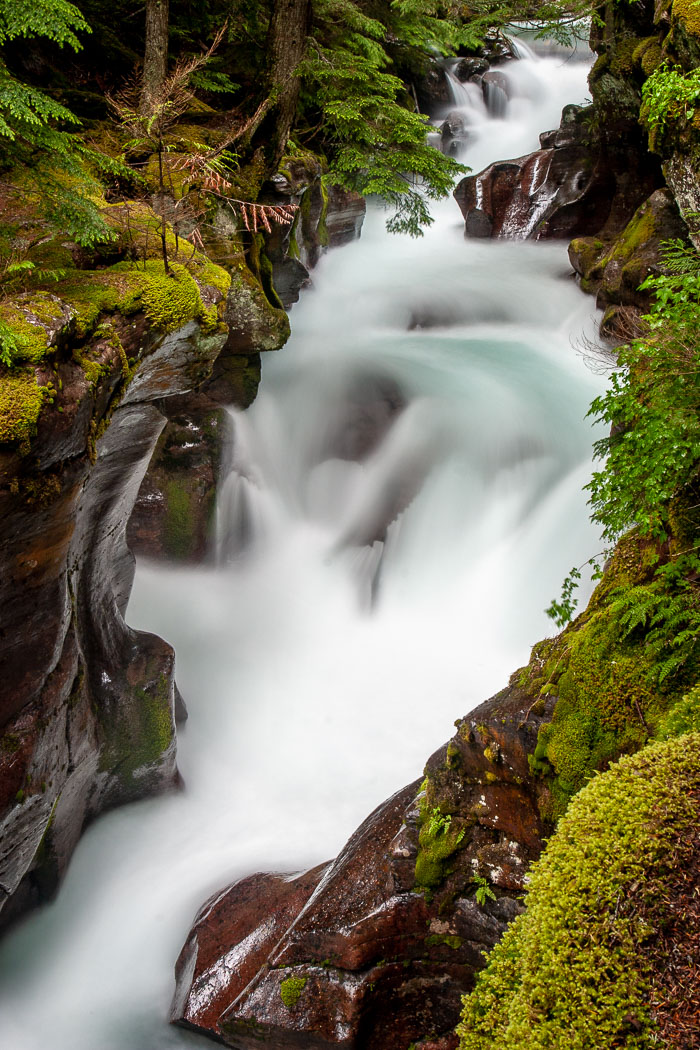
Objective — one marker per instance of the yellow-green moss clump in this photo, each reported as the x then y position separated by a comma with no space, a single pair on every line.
571,972
168,300
21,399
291,989
689,12
648,55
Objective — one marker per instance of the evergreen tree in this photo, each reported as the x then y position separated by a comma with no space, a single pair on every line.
378,140
33,124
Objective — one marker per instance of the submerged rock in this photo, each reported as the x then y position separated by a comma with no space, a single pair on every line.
377,948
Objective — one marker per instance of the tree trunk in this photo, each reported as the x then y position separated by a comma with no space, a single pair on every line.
155,62
289,28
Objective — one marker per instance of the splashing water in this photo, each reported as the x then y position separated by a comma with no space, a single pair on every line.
404,501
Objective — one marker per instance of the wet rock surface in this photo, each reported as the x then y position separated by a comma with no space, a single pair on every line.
326,218
87,704
614,270
361,953
571,186
174,516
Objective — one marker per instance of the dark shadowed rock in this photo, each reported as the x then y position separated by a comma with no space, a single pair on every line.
326,218
375,956
174,515
614,269
467,68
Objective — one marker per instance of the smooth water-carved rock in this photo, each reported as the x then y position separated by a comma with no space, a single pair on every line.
327,217
87,705
554,192
174,518
589,176
174,515
379,946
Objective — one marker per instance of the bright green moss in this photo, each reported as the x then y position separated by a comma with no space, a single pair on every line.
683,717
169,301
21,400
216,276
438,839
607,679
571,972
638,233
26,319
291,989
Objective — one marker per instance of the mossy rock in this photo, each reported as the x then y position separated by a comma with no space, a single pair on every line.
687,12
291,990
572,971
440,837
138,731
648,55
21,401
180,528
610,685
617,270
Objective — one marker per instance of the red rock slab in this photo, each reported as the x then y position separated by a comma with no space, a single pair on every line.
233,934
353,914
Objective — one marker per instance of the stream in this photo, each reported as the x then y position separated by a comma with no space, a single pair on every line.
403,503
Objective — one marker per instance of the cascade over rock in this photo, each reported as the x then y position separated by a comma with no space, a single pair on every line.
377,948
173,517
88,705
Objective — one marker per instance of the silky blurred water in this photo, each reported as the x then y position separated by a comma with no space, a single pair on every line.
358,608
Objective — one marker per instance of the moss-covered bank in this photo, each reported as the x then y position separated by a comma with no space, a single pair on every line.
572,971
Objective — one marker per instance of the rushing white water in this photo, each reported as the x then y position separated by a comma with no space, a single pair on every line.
320,671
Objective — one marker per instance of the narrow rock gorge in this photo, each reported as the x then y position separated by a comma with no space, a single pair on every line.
354,551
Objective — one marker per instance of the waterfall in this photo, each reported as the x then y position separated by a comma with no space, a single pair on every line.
404,500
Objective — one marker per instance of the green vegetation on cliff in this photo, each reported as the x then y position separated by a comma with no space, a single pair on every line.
573,971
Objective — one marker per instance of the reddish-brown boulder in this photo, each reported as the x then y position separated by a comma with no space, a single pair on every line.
376,949
580,182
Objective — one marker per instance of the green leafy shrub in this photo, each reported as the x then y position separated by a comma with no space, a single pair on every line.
669,98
